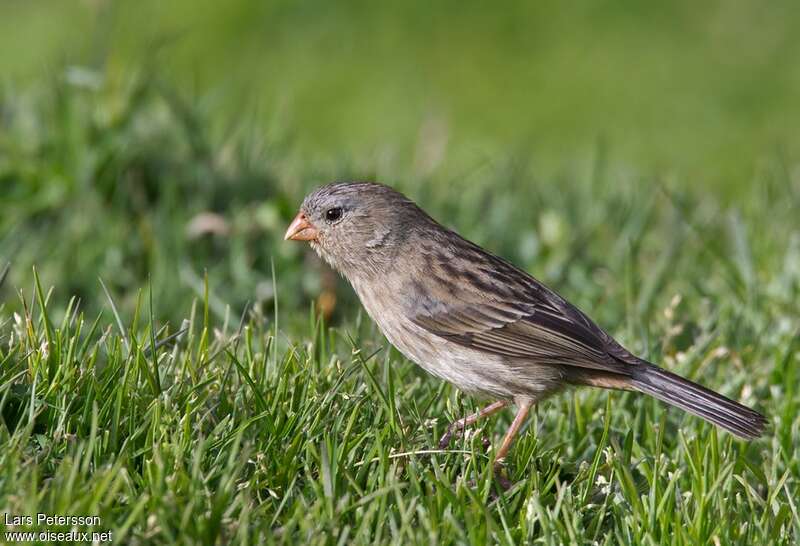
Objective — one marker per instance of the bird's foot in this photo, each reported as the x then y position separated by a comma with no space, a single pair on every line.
457,430
501,478
503,483
444,441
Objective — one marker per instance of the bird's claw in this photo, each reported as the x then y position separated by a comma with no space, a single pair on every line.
500,476
500,479
504,483
447,437
444,441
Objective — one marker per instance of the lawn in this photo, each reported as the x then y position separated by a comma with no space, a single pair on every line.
171,366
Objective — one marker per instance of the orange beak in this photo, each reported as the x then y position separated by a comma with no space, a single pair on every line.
301,229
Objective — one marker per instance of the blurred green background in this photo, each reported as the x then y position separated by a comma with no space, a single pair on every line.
123,121
703,89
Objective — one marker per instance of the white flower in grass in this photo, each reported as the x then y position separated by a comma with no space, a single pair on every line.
430,423
675,331
603,484
19,326
720,352
530,507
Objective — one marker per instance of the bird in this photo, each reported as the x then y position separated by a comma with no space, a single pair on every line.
474,319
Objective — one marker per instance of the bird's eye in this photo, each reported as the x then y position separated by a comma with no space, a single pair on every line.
331,215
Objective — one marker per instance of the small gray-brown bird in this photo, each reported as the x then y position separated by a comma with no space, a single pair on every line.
474,319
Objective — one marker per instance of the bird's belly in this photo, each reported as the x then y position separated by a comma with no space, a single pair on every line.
470,370
472,373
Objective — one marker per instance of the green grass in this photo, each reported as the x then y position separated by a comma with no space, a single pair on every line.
254,421
223,435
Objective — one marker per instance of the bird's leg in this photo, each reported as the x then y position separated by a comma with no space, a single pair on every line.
461,424
522,413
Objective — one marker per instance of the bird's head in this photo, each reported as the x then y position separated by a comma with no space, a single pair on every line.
357,227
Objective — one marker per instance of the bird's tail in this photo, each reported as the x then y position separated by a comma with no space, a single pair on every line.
697,400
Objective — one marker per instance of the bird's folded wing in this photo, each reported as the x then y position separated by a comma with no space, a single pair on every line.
538,326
